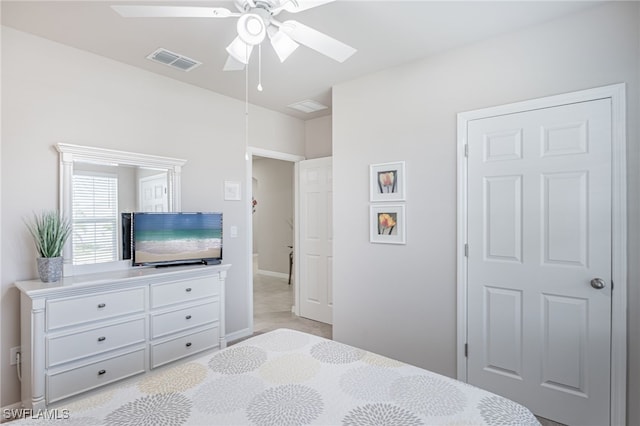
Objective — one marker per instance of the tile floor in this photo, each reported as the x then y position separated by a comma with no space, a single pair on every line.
272,301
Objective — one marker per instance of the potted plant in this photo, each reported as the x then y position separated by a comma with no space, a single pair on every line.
50,231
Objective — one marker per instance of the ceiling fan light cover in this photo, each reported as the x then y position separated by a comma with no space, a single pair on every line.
233,65
282,44
239,50
251,28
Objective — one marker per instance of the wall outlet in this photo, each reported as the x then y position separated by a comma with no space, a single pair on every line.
13,355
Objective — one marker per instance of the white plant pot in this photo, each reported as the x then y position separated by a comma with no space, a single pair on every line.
50,269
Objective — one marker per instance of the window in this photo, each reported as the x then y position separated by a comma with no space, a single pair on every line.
95,224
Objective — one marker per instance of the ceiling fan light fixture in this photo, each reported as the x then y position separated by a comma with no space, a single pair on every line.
282,44
239,50
233,65
251,28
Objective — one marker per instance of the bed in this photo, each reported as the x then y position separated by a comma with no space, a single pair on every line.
286,377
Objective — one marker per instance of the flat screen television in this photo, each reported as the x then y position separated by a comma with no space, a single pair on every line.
176,238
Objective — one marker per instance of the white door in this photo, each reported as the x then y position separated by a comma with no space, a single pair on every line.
315,251
539,246
153,193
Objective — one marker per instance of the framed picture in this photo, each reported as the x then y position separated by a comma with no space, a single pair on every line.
387,224
387,182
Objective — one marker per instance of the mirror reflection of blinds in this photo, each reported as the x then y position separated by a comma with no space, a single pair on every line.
95,214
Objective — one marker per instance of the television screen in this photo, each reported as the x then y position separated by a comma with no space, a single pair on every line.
176,238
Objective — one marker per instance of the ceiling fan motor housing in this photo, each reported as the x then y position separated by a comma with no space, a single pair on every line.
244,5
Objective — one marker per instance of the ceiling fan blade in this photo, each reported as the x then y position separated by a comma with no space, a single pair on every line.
239,50
233,64
295,6
316,40
129,11
282,43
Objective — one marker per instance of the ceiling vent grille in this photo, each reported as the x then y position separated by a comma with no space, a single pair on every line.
173,60
308,106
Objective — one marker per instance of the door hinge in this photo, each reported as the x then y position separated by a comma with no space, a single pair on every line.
611,285
466,150
466,350
466,250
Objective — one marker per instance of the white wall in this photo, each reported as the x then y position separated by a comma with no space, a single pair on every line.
52,93
318,137
401,300
273,219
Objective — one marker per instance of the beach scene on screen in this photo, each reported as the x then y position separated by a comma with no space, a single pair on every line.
176,237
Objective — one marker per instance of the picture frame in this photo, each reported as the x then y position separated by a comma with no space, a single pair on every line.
387,224
387,182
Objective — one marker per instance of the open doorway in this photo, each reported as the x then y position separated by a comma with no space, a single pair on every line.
272,252
273,236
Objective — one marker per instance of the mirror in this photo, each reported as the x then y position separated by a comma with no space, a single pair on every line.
96,186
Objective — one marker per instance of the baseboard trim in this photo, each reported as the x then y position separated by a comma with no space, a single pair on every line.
237,335
273,274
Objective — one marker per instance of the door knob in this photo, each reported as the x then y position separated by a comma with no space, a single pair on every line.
598,283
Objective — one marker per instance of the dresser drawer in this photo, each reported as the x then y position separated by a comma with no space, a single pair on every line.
183,291
83,309
170,322
64,384
74,346
171,350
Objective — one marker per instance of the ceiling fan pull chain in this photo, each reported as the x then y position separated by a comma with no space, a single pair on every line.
260,68
246,84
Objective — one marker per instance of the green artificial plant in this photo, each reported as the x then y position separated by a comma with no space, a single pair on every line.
50,231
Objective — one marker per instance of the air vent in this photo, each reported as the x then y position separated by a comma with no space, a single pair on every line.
308,106
173,60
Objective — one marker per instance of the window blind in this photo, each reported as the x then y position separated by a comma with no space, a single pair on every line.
95,207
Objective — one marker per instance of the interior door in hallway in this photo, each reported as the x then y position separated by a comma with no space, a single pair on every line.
315,251
539,259
153,195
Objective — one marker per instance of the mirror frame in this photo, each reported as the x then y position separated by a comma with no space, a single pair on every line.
68,153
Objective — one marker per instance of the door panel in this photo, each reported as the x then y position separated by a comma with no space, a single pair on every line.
153,194
564,212
503,218
503,328
539,230
564,321
316,240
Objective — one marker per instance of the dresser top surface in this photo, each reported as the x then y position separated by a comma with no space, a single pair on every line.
130,275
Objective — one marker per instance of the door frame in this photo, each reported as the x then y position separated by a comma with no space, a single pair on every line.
615,92
276,155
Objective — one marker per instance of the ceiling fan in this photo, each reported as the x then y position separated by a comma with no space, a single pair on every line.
255,22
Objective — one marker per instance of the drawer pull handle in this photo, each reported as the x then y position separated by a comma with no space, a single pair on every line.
101,339
188,317
188,344
101,372
101,305
188,289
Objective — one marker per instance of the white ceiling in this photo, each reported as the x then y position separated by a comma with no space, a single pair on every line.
386,34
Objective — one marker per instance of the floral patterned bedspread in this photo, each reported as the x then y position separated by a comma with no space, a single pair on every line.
286,377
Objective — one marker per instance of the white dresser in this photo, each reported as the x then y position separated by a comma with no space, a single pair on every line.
90,330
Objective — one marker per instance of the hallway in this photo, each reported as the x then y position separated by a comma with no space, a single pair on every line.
272,302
